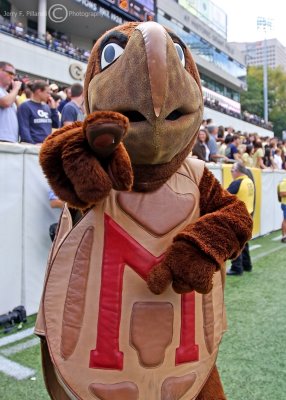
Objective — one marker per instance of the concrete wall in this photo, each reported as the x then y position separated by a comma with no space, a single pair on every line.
238,124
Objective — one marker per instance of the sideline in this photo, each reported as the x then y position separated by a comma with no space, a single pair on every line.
12,368
15,370
16,336
266,253
20,347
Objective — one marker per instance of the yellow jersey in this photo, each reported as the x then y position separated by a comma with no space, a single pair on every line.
282,188
243,188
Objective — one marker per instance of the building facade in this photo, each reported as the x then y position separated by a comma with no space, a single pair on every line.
254,53
222,68
52,40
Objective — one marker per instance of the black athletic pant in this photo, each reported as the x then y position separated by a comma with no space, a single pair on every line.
243,261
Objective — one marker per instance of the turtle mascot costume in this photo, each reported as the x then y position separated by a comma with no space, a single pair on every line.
132,307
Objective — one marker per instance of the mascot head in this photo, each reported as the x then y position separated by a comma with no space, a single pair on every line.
144,104
147,74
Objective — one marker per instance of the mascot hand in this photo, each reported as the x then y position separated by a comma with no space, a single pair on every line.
84,161
105,131
186,267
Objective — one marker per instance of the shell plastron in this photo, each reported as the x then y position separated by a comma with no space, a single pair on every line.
108,337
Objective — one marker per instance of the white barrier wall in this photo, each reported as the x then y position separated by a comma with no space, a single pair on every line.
11,227
25,216
271,213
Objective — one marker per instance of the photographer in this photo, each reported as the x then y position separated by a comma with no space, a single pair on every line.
39,115
8,109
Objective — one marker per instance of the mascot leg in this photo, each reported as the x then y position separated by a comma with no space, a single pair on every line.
212,389
54,389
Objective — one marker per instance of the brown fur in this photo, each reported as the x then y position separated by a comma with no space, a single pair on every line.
52,165
120,169
55,390
200,249
89,179
225,225
212,389
186,267
76,176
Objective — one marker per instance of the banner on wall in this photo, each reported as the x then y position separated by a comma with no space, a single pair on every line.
256,172
143,10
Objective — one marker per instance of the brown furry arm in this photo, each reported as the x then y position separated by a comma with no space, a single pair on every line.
200,249
225,225
51,162
71,164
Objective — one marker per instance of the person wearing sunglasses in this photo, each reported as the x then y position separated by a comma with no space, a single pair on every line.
8,110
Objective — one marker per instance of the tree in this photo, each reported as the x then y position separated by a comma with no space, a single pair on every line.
252,100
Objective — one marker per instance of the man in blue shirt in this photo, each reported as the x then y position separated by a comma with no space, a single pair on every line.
67,92
8,110
212,144
39,115
73,110
231,151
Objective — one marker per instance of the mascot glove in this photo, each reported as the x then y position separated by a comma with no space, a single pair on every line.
105,131
85,160
187,267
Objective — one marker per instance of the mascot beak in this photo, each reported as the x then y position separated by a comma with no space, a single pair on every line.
155,39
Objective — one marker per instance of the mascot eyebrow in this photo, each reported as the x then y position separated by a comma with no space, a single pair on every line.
122,39
118,37
176,39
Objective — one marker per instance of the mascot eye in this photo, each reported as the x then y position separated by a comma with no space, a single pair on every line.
110,53
181,54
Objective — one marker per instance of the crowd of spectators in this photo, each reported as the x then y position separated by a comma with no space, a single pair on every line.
53,41
224,144
30,110
245,115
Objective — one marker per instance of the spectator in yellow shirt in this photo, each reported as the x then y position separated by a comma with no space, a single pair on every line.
243,187
247,156
258,155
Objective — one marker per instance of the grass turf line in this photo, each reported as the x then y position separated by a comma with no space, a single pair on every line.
252,357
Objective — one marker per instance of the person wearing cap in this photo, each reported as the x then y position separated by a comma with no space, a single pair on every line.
282,198
243,187
54,88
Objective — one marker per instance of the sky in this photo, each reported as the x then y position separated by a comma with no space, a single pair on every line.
242,19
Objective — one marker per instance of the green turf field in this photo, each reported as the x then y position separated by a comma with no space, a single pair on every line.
252,359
